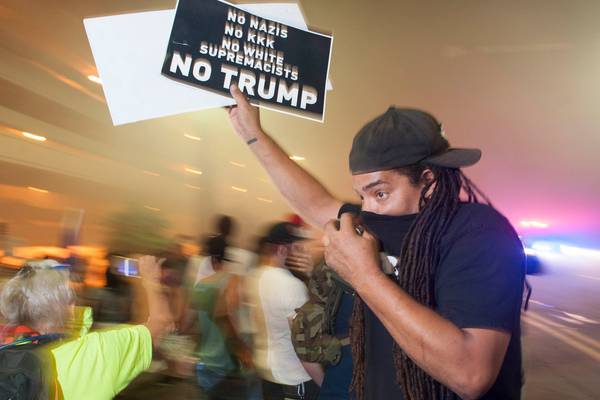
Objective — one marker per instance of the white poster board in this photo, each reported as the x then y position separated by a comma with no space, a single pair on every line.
129,51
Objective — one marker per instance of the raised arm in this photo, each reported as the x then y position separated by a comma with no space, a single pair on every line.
304,193
160,320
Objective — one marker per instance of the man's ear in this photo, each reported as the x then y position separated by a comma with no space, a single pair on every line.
282,250
427,176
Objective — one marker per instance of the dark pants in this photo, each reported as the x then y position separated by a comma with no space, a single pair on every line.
305,391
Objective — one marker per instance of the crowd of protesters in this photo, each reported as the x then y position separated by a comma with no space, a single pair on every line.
220,320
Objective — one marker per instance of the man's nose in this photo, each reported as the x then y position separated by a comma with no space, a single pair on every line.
369,206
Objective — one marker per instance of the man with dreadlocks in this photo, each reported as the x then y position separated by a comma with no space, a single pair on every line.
444,323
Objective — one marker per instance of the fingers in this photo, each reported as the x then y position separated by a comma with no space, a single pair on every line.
150,267
298,261
347,224
238,96
145,260
149,260
344,226
330,227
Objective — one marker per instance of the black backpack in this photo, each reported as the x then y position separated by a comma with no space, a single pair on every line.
27,370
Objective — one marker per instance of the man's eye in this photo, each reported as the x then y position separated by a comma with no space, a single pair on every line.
381,195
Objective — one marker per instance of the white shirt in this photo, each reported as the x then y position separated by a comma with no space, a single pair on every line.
240,261
276,294
200,267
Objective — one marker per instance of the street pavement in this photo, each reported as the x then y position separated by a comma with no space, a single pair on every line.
561,329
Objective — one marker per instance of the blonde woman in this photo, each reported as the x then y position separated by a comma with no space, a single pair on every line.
95,366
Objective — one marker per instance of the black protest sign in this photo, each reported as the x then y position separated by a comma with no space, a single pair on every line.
214,44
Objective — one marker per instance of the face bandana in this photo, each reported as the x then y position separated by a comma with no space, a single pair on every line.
389,229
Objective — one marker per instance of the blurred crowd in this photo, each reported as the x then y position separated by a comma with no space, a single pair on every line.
224,323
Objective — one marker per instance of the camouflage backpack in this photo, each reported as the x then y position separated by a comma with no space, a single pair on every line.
313,326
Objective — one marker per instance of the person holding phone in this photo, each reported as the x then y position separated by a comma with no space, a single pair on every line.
97,365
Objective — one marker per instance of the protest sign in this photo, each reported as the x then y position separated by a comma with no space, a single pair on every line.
129,50
214,44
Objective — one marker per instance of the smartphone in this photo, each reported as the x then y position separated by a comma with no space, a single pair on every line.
126,266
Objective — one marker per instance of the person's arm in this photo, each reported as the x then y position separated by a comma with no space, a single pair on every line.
315,371
189,316
467,361
160,320
304,193
225,313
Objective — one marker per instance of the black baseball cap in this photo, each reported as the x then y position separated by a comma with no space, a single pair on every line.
402,137
282,233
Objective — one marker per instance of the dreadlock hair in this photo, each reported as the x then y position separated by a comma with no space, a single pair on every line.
439,202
